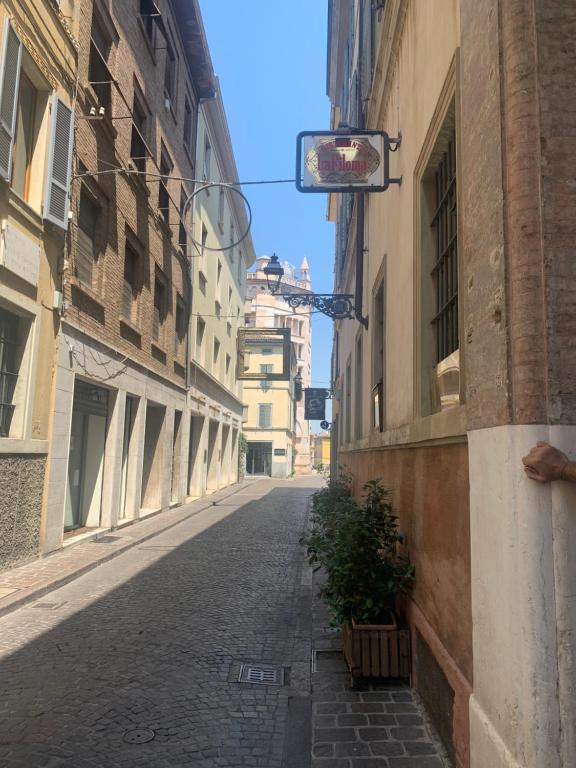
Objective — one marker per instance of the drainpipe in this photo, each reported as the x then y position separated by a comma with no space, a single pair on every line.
359,291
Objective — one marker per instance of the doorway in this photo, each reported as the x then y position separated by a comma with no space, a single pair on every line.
152,474
196,467
259,459
86,457
126,502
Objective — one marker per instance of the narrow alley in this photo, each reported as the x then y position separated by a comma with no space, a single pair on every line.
138,661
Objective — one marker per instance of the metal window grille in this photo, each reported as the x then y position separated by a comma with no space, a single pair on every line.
445,271
9,364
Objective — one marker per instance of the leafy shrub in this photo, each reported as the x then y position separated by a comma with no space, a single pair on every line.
357,546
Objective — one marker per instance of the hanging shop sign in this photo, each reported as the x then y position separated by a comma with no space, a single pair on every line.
344,161
315,404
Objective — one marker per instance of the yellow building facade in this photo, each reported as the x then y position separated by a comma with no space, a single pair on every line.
38,61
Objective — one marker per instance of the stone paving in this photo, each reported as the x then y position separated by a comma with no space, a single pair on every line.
136,662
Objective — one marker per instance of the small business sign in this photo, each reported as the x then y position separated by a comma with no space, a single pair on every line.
343,161
315,404
279,451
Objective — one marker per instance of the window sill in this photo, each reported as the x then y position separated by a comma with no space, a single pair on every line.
159,347
87,291
138,181
25,211
129,324
18,445
164,227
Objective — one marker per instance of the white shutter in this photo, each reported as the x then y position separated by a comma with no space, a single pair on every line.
57,197
10,81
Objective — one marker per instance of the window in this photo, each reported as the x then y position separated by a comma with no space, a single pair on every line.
131,282
265,385
250,320
202,282
163,196
348,404
229,297
182,233
200,330
160,307
188,125
359,394
228,361
148,14
10,359
217,309
444,225
229,329
138,150
207,159
218,273
85,237
264,415
170,73
204,239
99,74
221,200
180,334
25,137
216,352
378,359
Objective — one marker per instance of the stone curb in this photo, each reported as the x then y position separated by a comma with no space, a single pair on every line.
12,602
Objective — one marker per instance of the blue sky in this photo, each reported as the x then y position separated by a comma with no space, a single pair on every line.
270,57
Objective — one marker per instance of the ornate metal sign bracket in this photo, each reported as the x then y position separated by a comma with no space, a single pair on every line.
338,306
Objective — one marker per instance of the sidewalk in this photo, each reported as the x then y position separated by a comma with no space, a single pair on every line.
383,726
25,583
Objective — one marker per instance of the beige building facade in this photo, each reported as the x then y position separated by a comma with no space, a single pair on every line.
266,310
38,60
465,360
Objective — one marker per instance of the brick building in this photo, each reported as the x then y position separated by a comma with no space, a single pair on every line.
38,60
466,279
121,431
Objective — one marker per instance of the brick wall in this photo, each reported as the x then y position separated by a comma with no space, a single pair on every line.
129,205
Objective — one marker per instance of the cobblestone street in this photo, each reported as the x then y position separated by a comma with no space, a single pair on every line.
136,663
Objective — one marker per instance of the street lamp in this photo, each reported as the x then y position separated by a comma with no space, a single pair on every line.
274,273
338,306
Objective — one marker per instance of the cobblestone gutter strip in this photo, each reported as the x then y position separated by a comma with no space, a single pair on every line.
33,580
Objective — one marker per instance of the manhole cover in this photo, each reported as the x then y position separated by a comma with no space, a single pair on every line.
139,736
259,675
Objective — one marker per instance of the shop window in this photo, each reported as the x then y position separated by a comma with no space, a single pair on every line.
11,345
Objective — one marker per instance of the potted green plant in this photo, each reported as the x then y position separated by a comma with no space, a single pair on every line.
357,545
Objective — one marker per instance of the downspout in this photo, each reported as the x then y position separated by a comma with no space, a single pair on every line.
359,289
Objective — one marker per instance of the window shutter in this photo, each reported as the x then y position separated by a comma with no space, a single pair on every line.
57,200
11,55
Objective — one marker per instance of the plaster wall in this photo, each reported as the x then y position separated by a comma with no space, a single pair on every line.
523,710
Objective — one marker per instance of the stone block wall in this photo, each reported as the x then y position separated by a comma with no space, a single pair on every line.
20,507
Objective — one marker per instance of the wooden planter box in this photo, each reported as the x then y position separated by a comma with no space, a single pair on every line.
373,650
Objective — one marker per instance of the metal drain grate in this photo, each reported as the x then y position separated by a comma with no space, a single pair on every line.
258,675
106,540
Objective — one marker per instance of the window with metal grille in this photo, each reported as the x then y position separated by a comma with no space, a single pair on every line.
445,272
264,415
9,367
85,236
